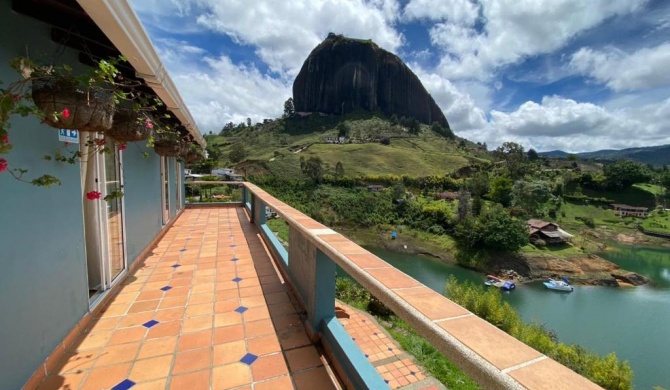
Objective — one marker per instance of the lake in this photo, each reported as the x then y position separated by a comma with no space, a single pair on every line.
632,322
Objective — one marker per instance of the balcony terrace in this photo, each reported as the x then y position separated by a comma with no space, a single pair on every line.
219,303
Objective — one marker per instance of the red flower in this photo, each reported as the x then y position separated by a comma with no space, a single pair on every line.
122,147
93,195
66,113
3,165
5,139
148,124
100,141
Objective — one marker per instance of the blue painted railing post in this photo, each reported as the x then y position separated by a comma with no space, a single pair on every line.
253,207
259,211
324,294
245,195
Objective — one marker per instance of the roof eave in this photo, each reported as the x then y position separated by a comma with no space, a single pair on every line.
123,28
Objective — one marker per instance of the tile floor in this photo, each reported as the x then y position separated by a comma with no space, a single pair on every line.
207,310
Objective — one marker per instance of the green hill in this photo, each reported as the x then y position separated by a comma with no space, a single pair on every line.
277,146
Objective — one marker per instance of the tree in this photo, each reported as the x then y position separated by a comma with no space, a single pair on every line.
394,120
494,230
385,141
624,173
237,153
312,168
398,191
339,169
436,127
501,191
289,109
477,206
248,122
463,204
513,154
532,154
478,185
532,196
414,126
342,129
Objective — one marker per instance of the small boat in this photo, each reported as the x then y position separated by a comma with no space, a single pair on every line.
495,281
560,285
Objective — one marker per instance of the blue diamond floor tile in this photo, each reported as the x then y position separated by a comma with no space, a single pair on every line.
166,288
124,385
241,309
234,259
182,250
248,359
176,265
150,324
237,280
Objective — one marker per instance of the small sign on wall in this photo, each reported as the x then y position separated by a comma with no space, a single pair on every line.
66,135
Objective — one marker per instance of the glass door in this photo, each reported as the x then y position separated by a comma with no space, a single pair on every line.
165,189
115,234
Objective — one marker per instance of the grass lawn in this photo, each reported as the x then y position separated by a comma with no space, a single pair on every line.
643,195
657,222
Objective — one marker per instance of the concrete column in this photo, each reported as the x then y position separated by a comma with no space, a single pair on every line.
313,275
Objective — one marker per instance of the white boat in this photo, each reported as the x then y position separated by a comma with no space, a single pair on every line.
495,281
560,285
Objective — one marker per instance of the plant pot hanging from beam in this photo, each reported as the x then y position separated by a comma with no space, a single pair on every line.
130,126
167,147
90,108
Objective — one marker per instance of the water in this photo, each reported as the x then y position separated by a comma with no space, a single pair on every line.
633,322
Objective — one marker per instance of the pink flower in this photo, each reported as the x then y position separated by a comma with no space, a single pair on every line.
5,139
100,141
93,195
148,124
3,165
66,113
122,147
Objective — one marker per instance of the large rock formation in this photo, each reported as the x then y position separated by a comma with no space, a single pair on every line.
344,74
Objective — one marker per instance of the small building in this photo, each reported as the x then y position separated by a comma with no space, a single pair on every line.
375,188
223,172
548,232
624,210
235,177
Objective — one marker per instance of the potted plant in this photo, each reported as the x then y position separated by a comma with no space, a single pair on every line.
193,153
167,141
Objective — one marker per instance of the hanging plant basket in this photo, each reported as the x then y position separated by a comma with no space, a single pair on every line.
167,147
129,126
90,109
193,155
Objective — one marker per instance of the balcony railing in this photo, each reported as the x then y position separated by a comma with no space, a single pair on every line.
487,354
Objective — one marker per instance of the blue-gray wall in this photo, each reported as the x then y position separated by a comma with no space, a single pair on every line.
43,287
43,282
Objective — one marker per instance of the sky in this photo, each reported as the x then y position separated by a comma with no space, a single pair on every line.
573,75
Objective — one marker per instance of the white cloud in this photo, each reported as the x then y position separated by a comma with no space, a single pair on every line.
514,30
285,32
218,91
643,69
559,123
455,11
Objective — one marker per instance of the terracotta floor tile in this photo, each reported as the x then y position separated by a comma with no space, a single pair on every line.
176,313
195,340
196,299
231,376
64,381
192,360
302,358
199,310
78,361
128,335
117,354
144,306
106,377
229,352
258,328
149,295
158,347
228,305
150,369
196,324
316,378
256,313
198,380
281,383
167,303
228,333
164,329
269,366
153,385
293,339
227,319
135,319
100,324
264,345
93,340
